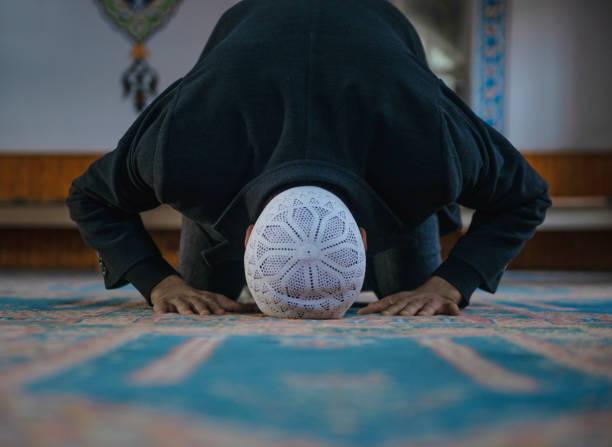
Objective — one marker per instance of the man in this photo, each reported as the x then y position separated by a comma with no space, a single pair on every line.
335,94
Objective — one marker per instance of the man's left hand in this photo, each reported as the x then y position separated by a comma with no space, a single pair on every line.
436,296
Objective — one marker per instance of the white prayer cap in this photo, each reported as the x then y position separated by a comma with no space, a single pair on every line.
305,257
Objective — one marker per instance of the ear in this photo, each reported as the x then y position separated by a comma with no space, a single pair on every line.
364,236
248,235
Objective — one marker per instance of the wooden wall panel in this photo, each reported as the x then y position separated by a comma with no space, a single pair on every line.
47,177
578,173
40,177
557,250
567,250
64,249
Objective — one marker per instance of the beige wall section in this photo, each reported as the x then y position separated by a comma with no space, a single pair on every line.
558,74
61,67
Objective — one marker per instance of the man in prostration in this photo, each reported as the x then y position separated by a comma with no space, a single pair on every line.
308,131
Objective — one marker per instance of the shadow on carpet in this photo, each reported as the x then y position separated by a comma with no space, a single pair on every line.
530,365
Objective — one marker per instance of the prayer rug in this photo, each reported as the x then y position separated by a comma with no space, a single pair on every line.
530,365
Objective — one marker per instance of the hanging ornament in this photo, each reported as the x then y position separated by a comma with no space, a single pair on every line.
138,20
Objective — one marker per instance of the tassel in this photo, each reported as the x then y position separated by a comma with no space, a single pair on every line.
139,80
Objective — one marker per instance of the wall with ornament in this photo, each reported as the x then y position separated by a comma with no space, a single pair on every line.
61,63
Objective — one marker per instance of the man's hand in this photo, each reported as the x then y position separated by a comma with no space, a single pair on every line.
436,296
173,294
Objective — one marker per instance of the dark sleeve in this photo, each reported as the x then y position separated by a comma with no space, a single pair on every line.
106,200
509,197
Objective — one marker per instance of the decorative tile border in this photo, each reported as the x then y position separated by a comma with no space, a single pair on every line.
490,58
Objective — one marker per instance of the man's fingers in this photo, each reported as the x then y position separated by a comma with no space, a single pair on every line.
411,308
395,308
369,309
211,301
183,307
379,305
200,306
450,309
163,307
428,310
229,304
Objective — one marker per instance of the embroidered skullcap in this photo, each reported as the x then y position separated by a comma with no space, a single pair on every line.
305,257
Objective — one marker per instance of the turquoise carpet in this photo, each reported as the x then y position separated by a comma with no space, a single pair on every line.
530,365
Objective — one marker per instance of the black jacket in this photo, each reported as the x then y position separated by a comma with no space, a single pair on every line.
329,92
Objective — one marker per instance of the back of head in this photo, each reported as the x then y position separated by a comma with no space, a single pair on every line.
305,257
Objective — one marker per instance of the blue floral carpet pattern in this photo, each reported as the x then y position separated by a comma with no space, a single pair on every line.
530,365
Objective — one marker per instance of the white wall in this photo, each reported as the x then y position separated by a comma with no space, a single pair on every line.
60,66
559,74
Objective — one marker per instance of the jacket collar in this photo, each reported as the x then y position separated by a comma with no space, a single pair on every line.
384,228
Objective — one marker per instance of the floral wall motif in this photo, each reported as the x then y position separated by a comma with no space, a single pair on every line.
490,62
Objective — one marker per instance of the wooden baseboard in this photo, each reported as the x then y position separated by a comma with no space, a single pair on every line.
64,249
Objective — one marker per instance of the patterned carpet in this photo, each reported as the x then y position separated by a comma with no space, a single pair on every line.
530,365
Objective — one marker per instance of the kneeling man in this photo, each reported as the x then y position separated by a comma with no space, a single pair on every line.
320,123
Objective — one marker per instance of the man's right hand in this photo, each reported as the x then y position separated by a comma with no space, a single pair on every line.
173,294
